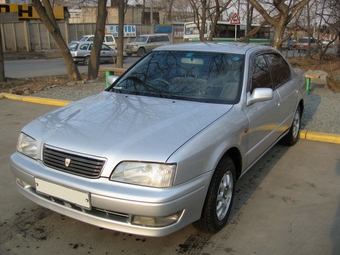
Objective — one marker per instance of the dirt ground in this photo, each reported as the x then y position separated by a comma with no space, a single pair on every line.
330,65
29,86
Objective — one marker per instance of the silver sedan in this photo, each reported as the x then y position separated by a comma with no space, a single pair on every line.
81,52
163,146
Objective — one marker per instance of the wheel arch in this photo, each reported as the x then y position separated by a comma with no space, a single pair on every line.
235,154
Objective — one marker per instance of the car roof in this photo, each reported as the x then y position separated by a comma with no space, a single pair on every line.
85,42
234,47
93,35
153,35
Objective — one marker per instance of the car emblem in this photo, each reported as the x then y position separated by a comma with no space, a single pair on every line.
67,161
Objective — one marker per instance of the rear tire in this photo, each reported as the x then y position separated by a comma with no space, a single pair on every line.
218,202
292,136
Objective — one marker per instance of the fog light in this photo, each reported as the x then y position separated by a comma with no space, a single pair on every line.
22,183
156,221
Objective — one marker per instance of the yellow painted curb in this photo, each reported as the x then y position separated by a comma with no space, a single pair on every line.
319,136
304,134
37,100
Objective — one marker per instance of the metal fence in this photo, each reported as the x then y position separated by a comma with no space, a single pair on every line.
34,36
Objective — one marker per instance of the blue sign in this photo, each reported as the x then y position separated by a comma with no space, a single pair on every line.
162,28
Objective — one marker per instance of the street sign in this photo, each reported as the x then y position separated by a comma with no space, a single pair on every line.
129,30
235,19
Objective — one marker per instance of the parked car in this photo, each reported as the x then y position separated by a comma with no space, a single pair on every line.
305,44
81,52
146,43
289,44
164,145
326,42
108,40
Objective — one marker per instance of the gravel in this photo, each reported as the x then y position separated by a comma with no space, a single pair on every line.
72,92
321,113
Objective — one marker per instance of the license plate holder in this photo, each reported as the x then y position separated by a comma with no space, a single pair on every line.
77,197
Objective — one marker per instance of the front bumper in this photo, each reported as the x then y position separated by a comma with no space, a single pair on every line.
113,205
78,59
131,50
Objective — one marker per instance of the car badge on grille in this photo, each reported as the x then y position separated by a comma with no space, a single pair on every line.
67,161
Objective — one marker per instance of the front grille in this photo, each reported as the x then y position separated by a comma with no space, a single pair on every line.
72,163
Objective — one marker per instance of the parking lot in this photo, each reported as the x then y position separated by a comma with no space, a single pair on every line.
288,203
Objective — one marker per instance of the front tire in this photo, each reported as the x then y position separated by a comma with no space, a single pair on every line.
141,52
217,205
87,60
292,136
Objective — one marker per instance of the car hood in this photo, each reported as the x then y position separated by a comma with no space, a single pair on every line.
124,127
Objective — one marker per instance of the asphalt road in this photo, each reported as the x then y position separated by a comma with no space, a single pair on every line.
29,68
287,204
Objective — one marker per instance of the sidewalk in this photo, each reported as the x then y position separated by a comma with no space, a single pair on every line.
43,54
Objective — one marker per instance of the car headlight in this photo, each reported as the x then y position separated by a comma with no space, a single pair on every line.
27,146
135,46
145,174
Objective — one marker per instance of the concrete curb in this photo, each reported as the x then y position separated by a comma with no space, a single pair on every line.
304,134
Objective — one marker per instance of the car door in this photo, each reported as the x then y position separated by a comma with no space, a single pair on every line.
264,119
286,88
151,43
106,54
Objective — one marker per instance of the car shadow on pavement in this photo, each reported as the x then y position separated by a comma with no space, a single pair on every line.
312,103
251,180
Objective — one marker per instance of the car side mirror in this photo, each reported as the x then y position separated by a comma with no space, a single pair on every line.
260,95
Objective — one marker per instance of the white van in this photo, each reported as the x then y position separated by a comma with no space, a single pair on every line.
109,40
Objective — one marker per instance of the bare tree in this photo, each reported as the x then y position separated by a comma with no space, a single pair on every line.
93,67
47,17
200,14
332,18
284,12
208,10
216,15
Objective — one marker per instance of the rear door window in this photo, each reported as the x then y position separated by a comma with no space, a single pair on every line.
83,47
279,69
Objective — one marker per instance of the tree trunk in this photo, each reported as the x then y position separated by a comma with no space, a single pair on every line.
93,67
2,65
120,46
54,30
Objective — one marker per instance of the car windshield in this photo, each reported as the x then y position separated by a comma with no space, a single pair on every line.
305,40
198,76
141,39
84,38
73,46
